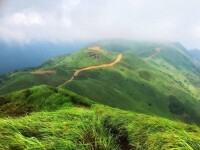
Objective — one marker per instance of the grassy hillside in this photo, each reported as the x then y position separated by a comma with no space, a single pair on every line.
83,58
63,65
172,53
166,84
24,79
137,85
39,98
61,119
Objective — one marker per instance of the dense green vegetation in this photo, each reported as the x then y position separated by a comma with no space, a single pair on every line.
139,85
39,98
165,85
63,65
60,119
149,132
80,59
24,79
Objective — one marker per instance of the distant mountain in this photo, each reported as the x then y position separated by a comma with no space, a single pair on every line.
153,78
15,56
196,54
172,52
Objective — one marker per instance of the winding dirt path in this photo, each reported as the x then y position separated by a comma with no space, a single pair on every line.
76,73
153,55
118,59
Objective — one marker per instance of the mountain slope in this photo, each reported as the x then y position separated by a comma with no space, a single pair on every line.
63,66
159,85
134,84
39,98
172,53
78,123
196,54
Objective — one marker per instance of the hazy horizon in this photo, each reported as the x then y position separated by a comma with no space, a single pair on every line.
25,21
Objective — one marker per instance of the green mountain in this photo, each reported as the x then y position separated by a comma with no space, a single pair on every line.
159,79
45,117
195,53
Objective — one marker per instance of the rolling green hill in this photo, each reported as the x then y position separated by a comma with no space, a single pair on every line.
44,117
63,65
159,79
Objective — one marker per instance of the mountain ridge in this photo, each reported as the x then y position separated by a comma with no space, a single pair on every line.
157,86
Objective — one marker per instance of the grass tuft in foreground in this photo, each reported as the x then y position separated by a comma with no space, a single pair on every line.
64,120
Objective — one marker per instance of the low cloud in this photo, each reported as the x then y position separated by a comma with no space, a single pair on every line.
64,20
26,19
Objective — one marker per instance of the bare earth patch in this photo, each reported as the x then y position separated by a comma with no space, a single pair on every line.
44,72
95,48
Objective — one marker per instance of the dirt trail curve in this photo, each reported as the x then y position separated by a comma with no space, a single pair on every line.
76,73
153,55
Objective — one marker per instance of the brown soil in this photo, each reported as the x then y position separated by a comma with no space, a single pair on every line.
76,73
44,72
95,48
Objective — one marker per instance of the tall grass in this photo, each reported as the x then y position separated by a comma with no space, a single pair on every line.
150,133
75,128
64,120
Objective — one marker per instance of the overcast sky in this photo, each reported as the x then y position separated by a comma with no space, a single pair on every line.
66,20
